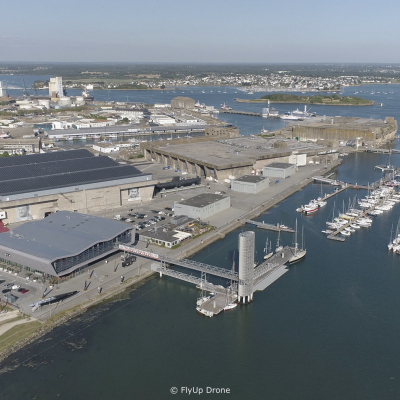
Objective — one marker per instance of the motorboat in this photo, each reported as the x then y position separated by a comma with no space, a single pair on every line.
202,300
204,312
289,116
355,226
230,306
310,208
345,233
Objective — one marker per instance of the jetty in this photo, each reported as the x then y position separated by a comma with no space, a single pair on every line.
269,227
254,114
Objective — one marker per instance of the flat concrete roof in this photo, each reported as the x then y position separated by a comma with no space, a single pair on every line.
279,165
344,122
230,153
202,200
251,178
168,236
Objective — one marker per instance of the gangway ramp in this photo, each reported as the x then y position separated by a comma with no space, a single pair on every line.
198,266
329,181
209,287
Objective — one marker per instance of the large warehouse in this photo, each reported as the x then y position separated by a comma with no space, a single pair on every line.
62,243
279,170
202,206
250,184
230,157
34,186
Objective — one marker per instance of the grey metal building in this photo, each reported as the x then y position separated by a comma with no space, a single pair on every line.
279,170
250,184
62,242
32,186
202,206
61,172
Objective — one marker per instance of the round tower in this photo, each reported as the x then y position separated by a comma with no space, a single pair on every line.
246,266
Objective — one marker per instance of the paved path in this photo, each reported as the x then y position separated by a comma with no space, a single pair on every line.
8,315
6,327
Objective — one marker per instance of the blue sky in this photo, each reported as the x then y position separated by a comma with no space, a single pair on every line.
201,31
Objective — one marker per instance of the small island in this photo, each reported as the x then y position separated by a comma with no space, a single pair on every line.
331,100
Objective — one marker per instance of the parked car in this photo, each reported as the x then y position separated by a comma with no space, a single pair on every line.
15,287
2,281
24,291
6,290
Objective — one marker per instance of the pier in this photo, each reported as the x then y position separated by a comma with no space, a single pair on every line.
254,114
329,181
272,269
242,284
269,227
383,151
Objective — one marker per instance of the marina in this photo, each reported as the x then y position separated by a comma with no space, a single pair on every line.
373,205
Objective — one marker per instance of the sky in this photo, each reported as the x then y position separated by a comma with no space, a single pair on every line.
201,31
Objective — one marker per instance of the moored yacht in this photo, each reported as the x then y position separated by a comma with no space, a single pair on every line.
298,254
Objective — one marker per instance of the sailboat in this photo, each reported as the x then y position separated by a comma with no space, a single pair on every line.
278,247
268,250
233,304
298,254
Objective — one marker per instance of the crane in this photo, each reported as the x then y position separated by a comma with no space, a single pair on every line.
24,90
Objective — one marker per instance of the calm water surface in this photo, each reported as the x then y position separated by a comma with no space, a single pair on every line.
327,329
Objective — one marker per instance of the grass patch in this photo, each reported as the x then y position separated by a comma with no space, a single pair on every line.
17,333
11,320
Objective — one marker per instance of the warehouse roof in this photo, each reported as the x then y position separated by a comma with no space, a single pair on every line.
33,173
60,235
251,178
279,165
44,157
202,200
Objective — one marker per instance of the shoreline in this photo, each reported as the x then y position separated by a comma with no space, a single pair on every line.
303,102
217,234
66,315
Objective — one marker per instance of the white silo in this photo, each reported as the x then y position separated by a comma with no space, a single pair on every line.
79,100
64,102
246,266
44,102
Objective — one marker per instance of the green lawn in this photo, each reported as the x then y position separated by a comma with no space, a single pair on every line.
17,333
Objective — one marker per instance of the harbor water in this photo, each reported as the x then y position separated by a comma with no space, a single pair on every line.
327,329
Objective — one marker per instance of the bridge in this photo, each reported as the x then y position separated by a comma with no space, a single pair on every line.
197,266
198,281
